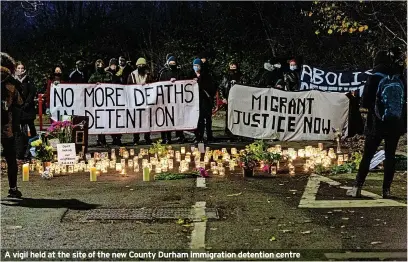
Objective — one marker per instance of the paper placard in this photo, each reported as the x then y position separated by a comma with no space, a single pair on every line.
201,147
377,159
66,154
53,142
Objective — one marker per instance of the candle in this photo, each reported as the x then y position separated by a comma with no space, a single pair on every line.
273,170
291,170
123,172
136,167
233,151
207,149
123,163
188,159
112,164
132,152
182,150
64,169
278,148
26,172
346,157
104,169
222,171
125,154
92,174
130,163
146,174
192,149
170,164
158,170
118,166
320,146
71,169
223,150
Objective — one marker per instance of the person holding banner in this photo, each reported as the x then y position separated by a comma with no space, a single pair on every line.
140,76
78,76
292,78
380,124
101,76
124,70
234,76
171,73
207,92
56,76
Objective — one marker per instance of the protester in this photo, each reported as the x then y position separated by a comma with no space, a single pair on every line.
124,70
233,76
271,74
56,78
381,124
172,73
10,98
79,75
292,78
114,69
27,91
100,76
207,92
141,76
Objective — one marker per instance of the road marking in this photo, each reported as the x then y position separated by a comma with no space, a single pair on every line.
200,226
377,255
201,182
308,199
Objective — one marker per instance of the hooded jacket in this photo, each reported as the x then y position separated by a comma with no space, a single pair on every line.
27,91
228,80
101,76
136,78
10,103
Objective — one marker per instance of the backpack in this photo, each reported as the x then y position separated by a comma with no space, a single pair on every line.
390,97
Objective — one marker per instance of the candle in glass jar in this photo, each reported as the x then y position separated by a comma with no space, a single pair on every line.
222,171
182,150
291,170
112,164
123,163
118,167
26,172
136,167
346,157
273,170
158,170
320,146
92,174
192,149
130,163
70,169
278,148
125,154
170,163
131,152
188,159
233,151
146,174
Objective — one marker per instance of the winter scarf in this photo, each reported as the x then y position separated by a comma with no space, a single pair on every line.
20,76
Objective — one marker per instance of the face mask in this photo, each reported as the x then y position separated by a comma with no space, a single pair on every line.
173,67
122,62
293,67
100,69
196,68
57,74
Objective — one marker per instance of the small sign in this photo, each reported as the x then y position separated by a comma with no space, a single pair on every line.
201,147
66,154
66,118
377,159
53,142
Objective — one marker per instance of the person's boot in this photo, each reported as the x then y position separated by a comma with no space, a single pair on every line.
14,193
386,193
355,192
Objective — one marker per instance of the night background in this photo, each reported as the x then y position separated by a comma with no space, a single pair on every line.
333,35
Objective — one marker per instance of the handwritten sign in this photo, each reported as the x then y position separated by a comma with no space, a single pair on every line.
66,154
53,143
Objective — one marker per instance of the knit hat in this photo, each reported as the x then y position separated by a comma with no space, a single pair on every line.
99,61
197,61
292,61
8,65
79,62
171,58
141,61
113,61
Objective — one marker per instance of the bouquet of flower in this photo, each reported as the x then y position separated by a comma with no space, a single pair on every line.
158,148
41,151
62,130
248,160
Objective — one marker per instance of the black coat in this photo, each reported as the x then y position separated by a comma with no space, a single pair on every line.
126,71
207,91
167,74
227,82
78,78
28,93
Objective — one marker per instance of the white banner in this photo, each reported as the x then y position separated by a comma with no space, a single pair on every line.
114,108
272,113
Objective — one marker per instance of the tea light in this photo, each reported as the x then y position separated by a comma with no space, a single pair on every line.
182,150
26,172
306,168
96,156
320,146
273,170
213,165
71,169
112,164
118,167
113,156
121,149
158,170
92,174
125,154
192,149
164,169
64,169
215,171
231,167
170,162
131,152
123,163
207,149
222,171
188,159
233,151
136,167
57,170
130,163
301,153
346,157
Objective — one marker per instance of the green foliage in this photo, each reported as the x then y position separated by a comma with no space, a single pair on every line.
158,148
320,169
175,176
344,168
356,158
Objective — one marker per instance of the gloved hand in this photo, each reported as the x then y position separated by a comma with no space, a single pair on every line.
48,112
195,79
173,80
277,65
56,83
233,82
225,101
